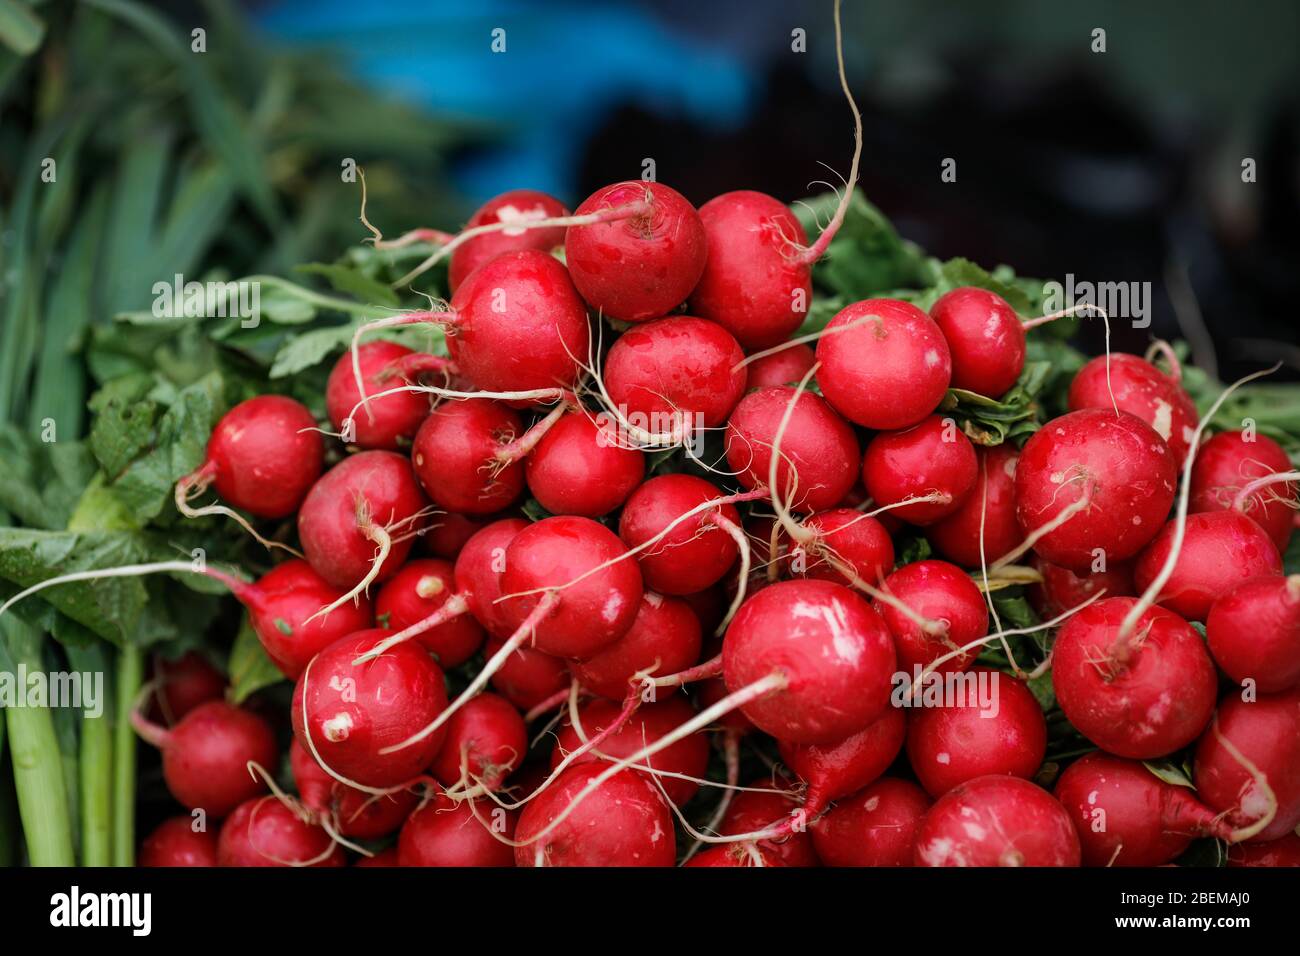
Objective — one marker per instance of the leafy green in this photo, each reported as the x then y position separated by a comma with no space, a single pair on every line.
249,668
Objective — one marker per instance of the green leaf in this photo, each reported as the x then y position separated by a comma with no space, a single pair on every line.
353,282
249,668
1169,772
20,29
309,349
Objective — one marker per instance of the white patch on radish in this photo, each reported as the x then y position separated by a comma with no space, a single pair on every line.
1163,422
1092,799
514,214
613,604
1137,519
943,758
932,358
974,831
871,804
337,727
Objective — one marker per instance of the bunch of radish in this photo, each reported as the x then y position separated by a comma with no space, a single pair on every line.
582,681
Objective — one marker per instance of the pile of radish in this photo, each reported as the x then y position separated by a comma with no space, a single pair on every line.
630,576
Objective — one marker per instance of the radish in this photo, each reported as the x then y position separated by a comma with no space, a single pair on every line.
783,367
579,569
1062,589
1093,484
622,822
697,552
384,858
948,612
641,267
733,854
1127,816
347,715
877,826
478,575
930,458
282,605
1141,697
1254,633
448,532
843,539
183,684
827,654
1247,764
836,770
687,757
580,467
752,811
175,842
351,812
447,832
263,456
664,638
984,337
418,590
884,364
1231,460
949,745
819,459
390,422
467,456
206,755
518,206
1220,550
1133,385
997,821
517,324
527,677
265,832
674,375
992,504
356,524
486,740
1281,852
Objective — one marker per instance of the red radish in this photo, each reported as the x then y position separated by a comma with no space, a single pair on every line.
583,467
478,574
992,499
1127,816
486,739
384,858
949,745
205,756
755,282
1254,633
641,267
733,854
1281,852
675,375
599,590
447,832
1141,389
517,324
281,605
175,842
784,367
944,596
515,205
985,338
353,812
448,532
997,821
265,832
819,460
930,458
528,677
1261,780
665,638
832,650
843,537
362,507
419,589
688,756
752,811
877,826
346,714
1231,460
464,458
388,422
710,607
1114,473
697,552
836,770
1221,549
183,684
263,456
884,364
710,692
1142,698
1061,589
622,822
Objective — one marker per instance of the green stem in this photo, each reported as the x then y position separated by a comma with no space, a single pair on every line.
38,766
97,791
8,810
130,675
